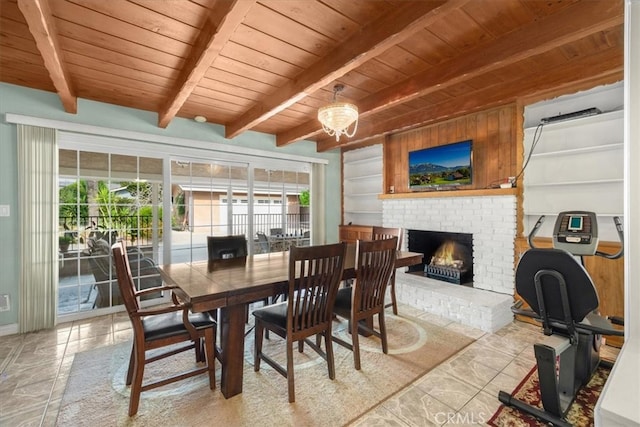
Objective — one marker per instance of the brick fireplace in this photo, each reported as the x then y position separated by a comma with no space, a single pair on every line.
447,256
491,220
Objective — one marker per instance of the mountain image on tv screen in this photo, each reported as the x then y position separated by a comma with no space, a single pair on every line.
442,166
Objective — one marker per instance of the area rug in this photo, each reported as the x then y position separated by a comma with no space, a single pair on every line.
96,395
580,412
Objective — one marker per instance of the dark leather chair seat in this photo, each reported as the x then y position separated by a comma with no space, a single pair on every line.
168,324
343,301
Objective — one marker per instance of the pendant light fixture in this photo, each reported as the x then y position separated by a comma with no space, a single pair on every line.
337,117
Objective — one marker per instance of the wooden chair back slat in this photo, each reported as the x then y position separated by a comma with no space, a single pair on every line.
125,278
314,277
314,274
374,267
174,325
381,233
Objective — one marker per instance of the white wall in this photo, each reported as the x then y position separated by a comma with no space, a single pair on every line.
618,404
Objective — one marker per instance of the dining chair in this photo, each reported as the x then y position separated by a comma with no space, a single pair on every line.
162,327
314,274
375,263
226,247
226,252
379,233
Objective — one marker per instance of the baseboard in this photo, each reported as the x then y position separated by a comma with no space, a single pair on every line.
10,329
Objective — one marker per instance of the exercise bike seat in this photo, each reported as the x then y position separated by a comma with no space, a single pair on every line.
581,293
556,287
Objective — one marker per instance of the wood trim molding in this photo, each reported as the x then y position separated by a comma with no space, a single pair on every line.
452,193
184,144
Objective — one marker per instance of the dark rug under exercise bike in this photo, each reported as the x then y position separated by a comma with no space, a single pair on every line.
580,413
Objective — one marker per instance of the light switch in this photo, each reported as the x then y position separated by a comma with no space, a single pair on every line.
4,210
5,304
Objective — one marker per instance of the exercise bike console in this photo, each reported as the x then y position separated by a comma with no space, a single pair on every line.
576,232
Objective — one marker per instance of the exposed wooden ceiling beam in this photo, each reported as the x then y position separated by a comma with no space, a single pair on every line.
210,42
573,23
305,130
42,27
588,68
371,41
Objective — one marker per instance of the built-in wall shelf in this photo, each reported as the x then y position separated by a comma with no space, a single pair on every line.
575,164
377,176
362,183
584,121
366,160
451,193
583,150
590,182
375,194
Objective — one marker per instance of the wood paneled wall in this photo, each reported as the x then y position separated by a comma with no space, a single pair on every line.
495,144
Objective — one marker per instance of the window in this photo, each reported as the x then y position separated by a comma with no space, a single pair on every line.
214,198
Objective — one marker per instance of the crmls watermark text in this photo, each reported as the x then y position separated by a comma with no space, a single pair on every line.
457,418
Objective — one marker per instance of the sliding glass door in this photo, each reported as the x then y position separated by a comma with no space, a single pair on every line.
104,198
222,198
280,209
205,196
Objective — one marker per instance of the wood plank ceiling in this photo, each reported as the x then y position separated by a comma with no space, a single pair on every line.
268,65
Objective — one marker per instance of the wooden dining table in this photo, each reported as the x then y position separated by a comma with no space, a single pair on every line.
231,285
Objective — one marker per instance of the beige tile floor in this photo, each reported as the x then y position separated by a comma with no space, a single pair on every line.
461,391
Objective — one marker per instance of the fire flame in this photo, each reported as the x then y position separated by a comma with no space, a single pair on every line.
446,256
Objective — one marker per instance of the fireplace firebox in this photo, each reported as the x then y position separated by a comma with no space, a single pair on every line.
447,256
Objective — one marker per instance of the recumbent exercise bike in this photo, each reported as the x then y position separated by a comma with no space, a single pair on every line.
564,300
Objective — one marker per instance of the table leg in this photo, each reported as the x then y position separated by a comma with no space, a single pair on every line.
232,320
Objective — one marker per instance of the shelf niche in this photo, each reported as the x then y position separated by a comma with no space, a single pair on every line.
362,184
576,164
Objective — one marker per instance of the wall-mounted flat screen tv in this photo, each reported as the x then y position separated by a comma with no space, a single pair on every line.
442,166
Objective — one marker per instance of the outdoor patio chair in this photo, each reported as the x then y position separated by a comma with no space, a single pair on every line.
144,270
